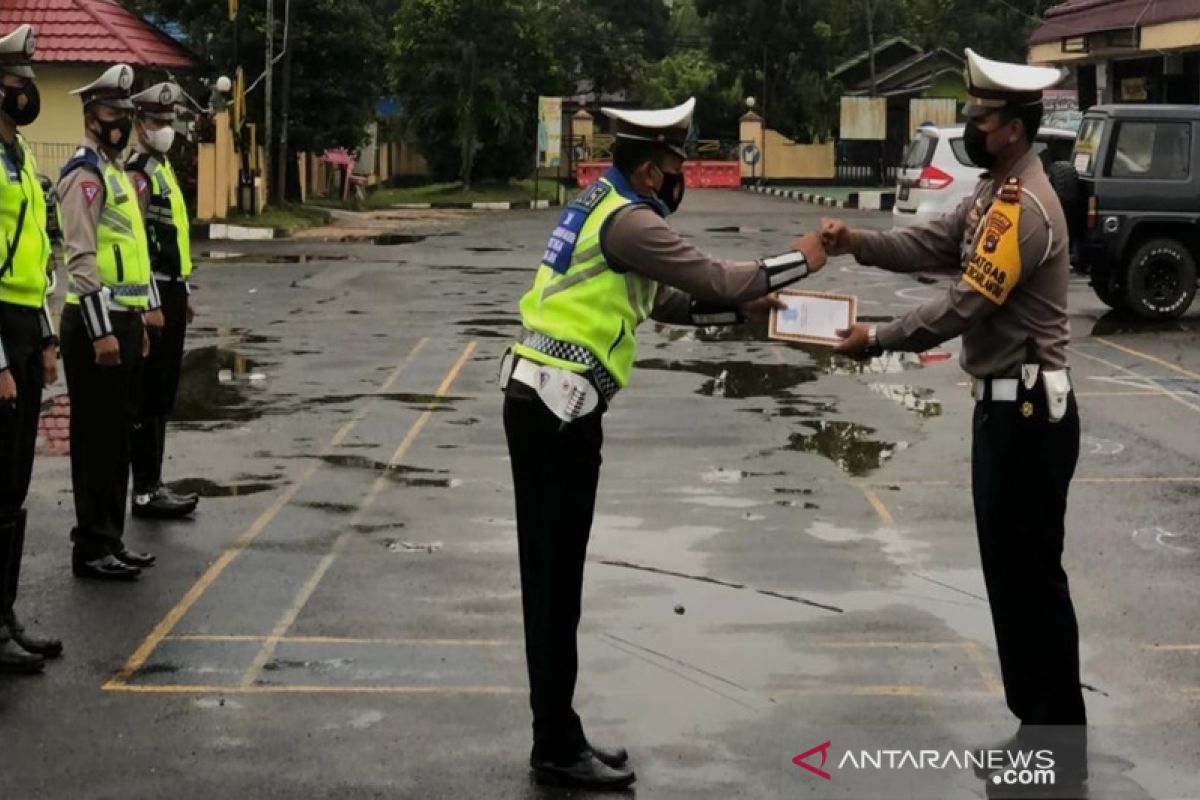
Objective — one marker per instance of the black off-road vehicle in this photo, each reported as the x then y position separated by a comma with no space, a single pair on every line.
1132,198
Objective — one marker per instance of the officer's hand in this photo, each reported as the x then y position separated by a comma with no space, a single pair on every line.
49,366
154,321
108,351
190,314
145,343
760,309
853,341
8,389
814,252
839,240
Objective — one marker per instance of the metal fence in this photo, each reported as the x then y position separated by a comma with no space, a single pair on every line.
866,174
51,157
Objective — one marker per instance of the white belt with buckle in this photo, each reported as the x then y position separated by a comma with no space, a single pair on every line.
568,395
1002,389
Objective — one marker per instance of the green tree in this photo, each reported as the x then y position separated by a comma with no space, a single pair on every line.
467,74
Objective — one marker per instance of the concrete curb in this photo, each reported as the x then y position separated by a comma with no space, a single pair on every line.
874,200
244,233
511,206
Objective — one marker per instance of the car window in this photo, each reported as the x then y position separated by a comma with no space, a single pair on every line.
920,152
960,152
1155,150
1087,144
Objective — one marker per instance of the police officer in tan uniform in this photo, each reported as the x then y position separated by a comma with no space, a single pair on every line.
1009,240
110,302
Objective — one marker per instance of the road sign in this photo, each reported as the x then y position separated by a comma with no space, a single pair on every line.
751,154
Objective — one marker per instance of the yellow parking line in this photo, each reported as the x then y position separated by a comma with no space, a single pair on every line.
205,581
271,643
1153,359
217,689
885,516
346,640
990,679
1188,648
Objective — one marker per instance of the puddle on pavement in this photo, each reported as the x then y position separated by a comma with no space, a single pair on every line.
738,379
495,321
846,444
425,401
206,488
215,385
738,229
398,546
332,508
912,398
484,333
399,238
722,475
399,473
489,249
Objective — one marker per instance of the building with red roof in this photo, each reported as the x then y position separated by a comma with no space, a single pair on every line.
76,41
1124,51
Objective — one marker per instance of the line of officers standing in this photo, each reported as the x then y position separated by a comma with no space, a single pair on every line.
124,228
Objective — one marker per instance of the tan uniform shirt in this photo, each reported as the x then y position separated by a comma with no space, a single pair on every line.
81,197
639,240
1029,323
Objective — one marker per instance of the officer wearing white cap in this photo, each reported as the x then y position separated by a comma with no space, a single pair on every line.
1010,240
612,261
103,336
28,347
167,233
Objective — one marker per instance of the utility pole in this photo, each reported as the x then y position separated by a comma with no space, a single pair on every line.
284,101
870,9
266,173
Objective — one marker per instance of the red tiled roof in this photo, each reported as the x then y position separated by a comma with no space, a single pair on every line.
1081,17
92,32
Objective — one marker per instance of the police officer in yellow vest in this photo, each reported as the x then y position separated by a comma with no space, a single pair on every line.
28,347
166,217
612,261
103,335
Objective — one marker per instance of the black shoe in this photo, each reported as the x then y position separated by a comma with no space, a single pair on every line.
104,568
616,757
163,504
587,771
14,662
132,559
46,648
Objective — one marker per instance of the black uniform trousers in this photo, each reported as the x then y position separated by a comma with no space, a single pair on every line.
156,393
102,409
21,331
555,474
1021,470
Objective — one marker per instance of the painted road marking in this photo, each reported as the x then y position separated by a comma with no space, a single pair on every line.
1176,396
205,581
1146,356
271,643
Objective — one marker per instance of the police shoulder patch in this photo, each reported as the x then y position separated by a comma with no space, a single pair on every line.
91,190
140,184
995,265
590,197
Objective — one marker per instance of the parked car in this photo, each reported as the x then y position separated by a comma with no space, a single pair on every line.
1131,193
936,173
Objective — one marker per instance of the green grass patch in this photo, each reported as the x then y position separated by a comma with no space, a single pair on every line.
288,217
512,192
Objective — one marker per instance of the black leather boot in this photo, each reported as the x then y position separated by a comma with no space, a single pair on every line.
162,503
584,771
12,660
48,648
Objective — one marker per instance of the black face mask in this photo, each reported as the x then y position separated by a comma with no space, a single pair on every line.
975,143
120,126
670,193
22,105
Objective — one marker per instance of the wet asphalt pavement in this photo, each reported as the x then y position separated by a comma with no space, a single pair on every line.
783,553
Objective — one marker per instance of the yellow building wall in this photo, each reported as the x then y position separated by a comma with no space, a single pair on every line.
58,130
1179,35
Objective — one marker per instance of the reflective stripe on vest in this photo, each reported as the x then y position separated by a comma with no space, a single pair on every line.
122,254
581,300
23,204
164,187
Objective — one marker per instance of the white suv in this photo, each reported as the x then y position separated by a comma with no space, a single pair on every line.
936,173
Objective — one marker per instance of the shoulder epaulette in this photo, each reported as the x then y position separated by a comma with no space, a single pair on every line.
84,157
1010,192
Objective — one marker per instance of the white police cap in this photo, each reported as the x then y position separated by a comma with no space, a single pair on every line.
16,51
159,100
665,126
993,85
111,88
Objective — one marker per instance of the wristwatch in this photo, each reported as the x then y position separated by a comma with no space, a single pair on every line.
874,350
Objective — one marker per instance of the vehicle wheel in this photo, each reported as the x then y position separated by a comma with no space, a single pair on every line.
1109,291
1069,189
1161,279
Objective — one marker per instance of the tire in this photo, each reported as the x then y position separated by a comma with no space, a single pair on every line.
1160,280
1109,292
1065,181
